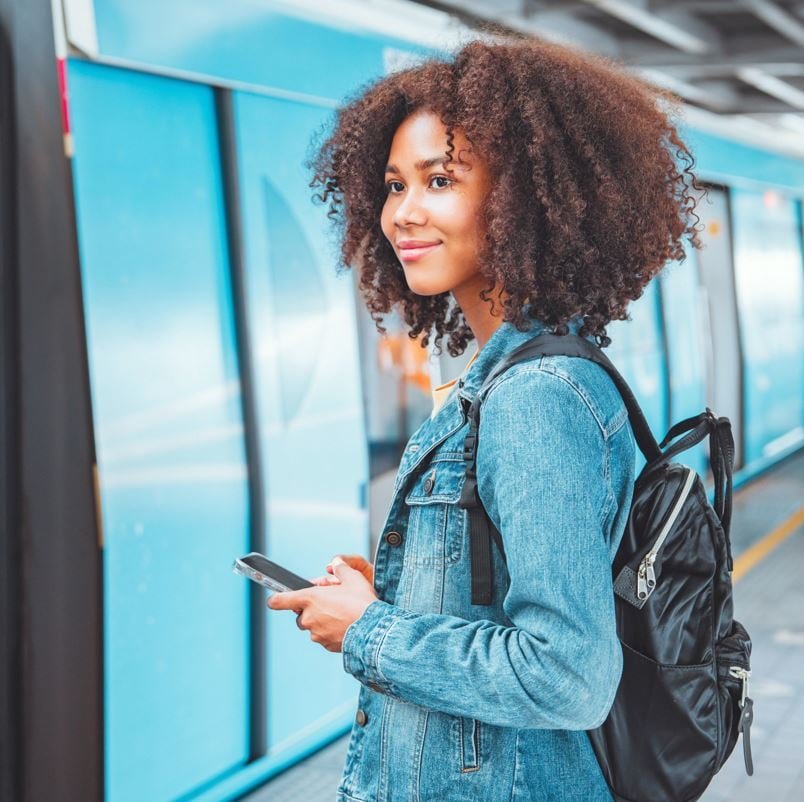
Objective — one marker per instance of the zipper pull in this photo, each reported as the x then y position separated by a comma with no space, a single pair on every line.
746,715
651,577
642,585
646,578
738,672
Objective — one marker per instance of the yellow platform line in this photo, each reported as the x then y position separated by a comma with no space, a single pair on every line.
763,547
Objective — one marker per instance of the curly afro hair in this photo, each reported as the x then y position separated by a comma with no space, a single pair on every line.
587,200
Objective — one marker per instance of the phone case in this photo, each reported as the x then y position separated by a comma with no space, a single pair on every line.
272,576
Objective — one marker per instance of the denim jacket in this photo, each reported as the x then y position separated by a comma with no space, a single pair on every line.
471,703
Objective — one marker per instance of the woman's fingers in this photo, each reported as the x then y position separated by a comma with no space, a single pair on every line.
353,561
357,562
325,580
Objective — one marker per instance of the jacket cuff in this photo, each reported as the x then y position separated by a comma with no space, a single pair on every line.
363,642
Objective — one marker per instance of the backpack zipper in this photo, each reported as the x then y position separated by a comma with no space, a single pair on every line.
746,715
738,672
646,578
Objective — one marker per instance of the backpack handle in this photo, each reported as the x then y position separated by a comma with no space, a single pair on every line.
721,459
576,346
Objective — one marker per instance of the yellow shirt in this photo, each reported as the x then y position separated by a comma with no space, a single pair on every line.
441,392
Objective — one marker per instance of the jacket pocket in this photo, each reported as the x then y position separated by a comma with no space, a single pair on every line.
354,752
467,738
437,525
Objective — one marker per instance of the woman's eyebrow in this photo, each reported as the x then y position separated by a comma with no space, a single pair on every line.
420,165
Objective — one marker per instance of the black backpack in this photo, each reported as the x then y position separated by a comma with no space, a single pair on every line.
683,697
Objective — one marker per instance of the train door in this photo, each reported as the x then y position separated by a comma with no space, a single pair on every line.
153,190
308,394
721,325
169,430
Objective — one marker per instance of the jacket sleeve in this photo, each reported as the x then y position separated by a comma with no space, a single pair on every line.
543,479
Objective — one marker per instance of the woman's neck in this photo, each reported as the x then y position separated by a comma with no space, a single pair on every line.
478,312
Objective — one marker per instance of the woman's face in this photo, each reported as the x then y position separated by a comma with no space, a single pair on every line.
426,204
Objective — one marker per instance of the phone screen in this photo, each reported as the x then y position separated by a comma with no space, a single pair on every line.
265,572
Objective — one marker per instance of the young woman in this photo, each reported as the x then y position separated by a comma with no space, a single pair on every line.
510,190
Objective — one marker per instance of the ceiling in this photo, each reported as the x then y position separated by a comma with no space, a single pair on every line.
740,62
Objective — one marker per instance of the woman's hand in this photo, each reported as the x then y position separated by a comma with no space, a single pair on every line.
358,563
329,608
353,561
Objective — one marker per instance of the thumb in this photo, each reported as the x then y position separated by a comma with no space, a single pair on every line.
341,569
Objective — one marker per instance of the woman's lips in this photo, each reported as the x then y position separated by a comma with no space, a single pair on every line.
412,254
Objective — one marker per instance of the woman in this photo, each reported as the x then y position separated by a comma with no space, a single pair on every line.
514,189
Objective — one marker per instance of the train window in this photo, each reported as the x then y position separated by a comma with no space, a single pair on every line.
687,338
770,298
637,352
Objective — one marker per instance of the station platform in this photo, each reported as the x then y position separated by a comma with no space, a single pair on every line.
768,547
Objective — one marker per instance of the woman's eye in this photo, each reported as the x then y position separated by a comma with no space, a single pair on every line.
443,178
389,185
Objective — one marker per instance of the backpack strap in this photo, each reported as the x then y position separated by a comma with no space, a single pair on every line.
481,528
573,345
721,460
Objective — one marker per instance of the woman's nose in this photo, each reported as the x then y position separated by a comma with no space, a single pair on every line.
410,211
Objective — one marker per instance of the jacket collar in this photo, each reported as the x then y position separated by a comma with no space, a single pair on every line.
451,416
504,340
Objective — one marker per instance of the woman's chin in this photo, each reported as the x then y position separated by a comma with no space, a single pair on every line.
426,288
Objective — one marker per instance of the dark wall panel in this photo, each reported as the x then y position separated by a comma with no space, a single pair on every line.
56,604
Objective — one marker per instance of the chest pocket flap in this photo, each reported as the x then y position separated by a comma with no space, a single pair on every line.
440,482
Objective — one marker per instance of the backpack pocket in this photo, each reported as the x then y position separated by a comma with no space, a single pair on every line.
733,655
662,728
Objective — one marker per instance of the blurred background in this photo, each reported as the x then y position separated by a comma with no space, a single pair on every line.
184,377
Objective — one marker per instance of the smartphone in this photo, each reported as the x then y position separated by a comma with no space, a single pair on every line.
258,568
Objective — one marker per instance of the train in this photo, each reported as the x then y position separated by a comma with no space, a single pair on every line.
187,378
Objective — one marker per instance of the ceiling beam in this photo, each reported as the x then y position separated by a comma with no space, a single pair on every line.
773,86
520,16
720,96
709,6
677,28
778,18
717,96
729,70
695,62
741,52
563,28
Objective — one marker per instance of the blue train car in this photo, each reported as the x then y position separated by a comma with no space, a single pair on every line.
239,397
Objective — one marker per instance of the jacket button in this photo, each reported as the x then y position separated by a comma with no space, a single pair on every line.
429,482
362,718
393,538
375,687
